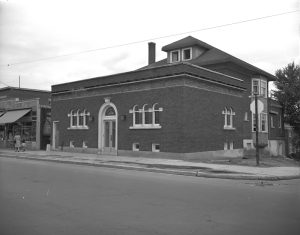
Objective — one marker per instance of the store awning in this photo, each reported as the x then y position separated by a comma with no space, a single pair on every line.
13,115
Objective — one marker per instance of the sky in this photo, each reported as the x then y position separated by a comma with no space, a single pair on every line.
47,42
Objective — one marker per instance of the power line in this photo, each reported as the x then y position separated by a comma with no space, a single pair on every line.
150,39
4,83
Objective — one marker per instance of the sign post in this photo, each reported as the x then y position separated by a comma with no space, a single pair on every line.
256,107
256,130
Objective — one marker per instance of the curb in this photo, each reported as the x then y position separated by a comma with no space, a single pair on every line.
236,176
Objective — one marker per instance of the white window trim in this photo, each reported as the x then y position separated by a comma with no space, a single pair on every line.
171,57
134,148
260,81
143,125
266,130
77,114
228,113
266,88
182,53
260,122
154,149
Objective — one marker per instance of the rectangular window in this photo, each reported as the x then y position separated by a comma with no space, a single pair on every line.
255,86
135,147
259,87
272,122
187,54
175,56
279,122
155,148
263,88
263,123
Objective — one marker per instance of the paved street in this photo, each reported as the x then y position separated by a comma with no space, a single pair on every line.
52,198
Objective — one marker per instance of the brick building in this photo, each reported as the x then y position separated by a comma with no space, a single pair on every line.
194,103
27,112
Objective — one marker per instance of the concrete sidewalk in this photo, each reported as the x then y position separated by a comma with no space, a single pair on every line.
169,166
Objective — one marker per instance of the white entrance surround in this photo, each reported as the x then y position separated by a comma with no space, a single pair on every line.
101,119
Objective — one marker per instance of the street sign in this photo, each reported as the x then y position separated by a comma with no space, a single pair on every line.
260,106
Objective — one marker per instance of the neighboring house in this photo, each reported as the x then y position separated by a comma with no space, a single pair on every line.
194,103
277,131
27,112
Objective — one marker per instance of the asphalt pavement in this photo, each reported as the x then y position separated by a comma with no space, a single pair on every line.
169,166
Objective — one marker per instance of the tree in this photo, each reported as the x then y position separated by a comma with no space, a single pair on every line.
288,95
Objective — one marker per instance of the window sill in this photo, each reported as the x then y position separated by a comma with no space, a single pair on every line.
229,128
260,132
78,128
146,127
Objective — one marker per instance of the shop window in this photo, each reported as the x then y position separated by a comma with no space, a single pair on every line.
228,118
146,117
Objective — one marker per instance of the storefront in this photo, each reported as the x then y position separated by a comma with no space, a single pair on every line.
28,119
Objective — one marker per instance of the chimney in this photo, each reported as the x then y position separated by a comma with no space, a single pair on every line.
151,52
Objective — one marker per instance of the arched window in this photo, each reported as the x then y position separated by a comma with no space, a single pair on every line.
85,114
80,118
147,115
73,118
110,111
155,113
137,116
228,117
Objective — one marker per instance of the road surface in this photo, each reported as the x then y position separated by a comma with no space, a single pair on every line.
43,198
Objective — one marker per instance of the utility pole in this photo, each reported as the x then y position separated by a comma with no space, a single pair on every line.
19,81
256,129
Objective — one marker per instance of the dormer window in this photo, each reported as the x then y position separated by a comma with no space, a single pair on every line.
187,54
175,56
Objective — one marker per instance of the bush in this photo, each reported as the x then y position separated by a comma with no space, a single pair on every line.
295,156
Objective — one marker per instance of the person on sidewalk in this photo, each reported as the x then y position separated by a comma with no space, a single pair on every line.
17,140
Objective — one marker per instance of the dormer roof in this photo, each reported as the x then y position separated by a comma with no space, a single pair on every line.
210,56
186,42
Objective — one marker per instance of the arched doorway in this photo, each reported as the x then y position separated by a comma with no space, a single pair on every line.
108,129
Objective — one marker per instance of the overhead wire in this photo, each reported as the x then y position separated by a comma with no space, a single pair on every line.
149,39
